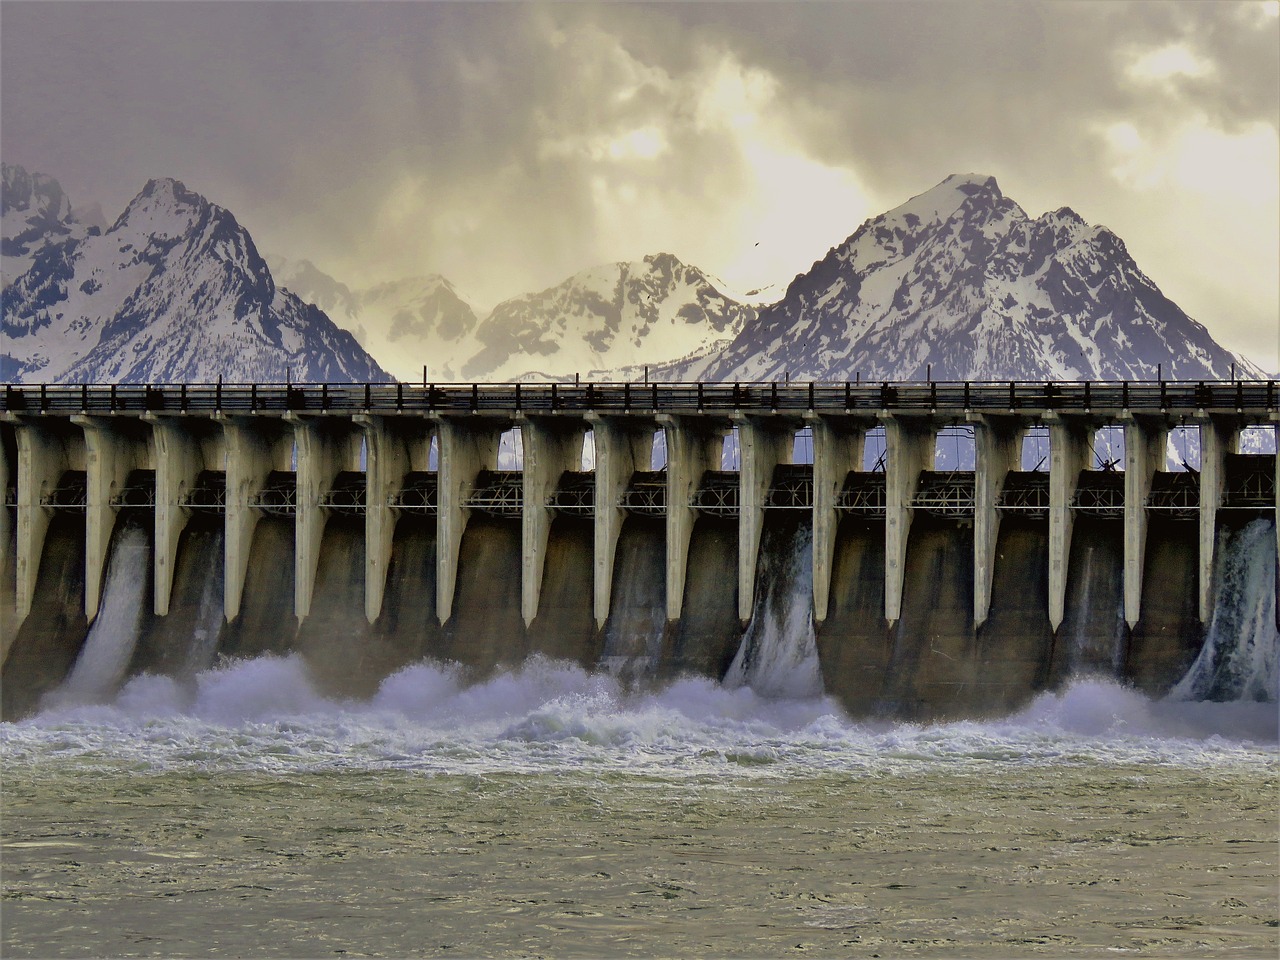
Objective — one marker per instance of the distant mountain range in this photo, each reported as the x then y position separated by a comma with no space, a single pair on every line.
957,283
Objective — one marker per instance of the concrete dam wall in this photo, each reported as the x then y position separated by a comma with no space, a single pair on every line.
148,540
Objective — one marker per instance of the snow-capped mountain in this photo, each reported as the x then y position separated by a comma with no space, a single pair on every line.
407,324
35,213
607,318
600,320
173,291
962,283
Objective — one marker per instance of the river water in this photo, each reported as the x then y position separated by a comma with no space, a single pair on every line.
553,812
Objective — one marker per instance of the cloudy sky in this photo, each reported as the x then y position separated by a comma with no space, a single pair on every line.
508,146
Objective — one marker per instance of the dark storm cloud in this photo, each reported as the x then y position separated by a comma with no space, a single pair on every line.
508,145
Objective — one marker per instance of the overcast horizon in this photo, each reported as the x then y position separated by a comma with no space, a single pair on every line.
509,146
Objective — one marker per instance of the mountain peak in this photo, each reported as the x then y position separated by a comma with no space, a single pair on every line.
942,201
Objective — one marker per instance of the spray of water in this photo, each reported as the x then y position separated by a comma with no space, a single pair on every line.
1240,659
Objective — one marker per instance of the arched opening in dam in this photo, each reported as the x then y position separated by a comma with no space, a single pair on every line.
922,565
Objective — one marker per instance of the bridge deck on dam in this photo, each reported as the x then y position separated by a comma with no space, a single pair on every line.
652,523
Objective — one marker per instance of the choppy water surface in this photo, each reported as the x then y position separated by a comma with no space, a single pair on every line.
551,812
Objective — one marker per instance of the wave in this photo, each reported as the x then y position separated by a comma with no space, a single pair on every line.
266,714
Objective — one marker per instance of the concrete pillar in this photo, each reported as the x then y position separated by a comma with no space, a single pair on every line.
326,447
694,446
1070,444
623,446
909,443
1217,439
8,474
837,449
552,445
1145,442
178,463
763,443
255,447
44,454
113,447
466,446
394,446
998,449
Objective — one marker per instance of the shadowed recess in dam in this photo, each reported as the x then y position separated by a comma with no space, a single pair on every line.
934,671
1168,636
9,589
638,608
1015,644
345,654
854,643
49,639
408,620
486,630
565,627
1093,637
708,634
778,656
1240,659
266,623
103,663
184,641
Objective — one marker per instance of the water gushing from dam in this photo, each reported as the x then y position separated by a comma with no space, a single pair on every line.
1240,659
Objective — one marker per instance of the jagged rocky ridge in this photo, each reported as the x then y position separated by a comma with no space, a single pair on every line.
962,284
174,290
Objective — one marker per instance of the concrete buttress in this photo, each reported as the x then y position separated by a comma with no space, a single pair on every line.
1145,440
178,463
467,445
909,445
694,446
764,442
1070,443
623,446
326,447
46,450
837,449
255,447
1218,437
552,445
997,449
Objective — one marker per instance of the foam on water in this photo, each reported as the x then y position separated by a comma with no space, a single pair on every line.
265,714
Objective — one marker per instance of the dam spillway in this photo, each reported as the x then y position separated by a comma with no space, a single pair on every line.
367,526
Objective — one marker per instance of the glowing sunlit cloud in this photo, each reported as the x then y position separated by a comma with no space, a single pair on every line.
1165,63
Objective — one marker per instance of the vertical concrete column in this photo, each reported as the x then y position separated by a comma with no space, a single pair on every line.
111,451
1070,442
623,445
763,443
837,450
694,445
178,463
8,474
909,443
326,447
1145,441
466,446
392,444
1217,439
998,447
255,447
552,445
43,456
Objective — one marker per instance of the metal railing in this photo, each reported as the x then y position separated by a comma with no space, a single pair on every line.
1253,396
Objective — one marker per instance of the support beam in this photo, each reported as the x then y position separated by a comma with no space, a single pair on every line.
255,447
326,447
623,446
178,463
1218,437
466,446
838,445
552,445
113,447
998,449
909,443
694,446
763,442
1070,443
8,475
394,446
44,454
1145,441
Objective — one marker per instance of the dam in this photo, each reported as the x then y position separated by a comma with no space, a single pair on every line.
917,550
